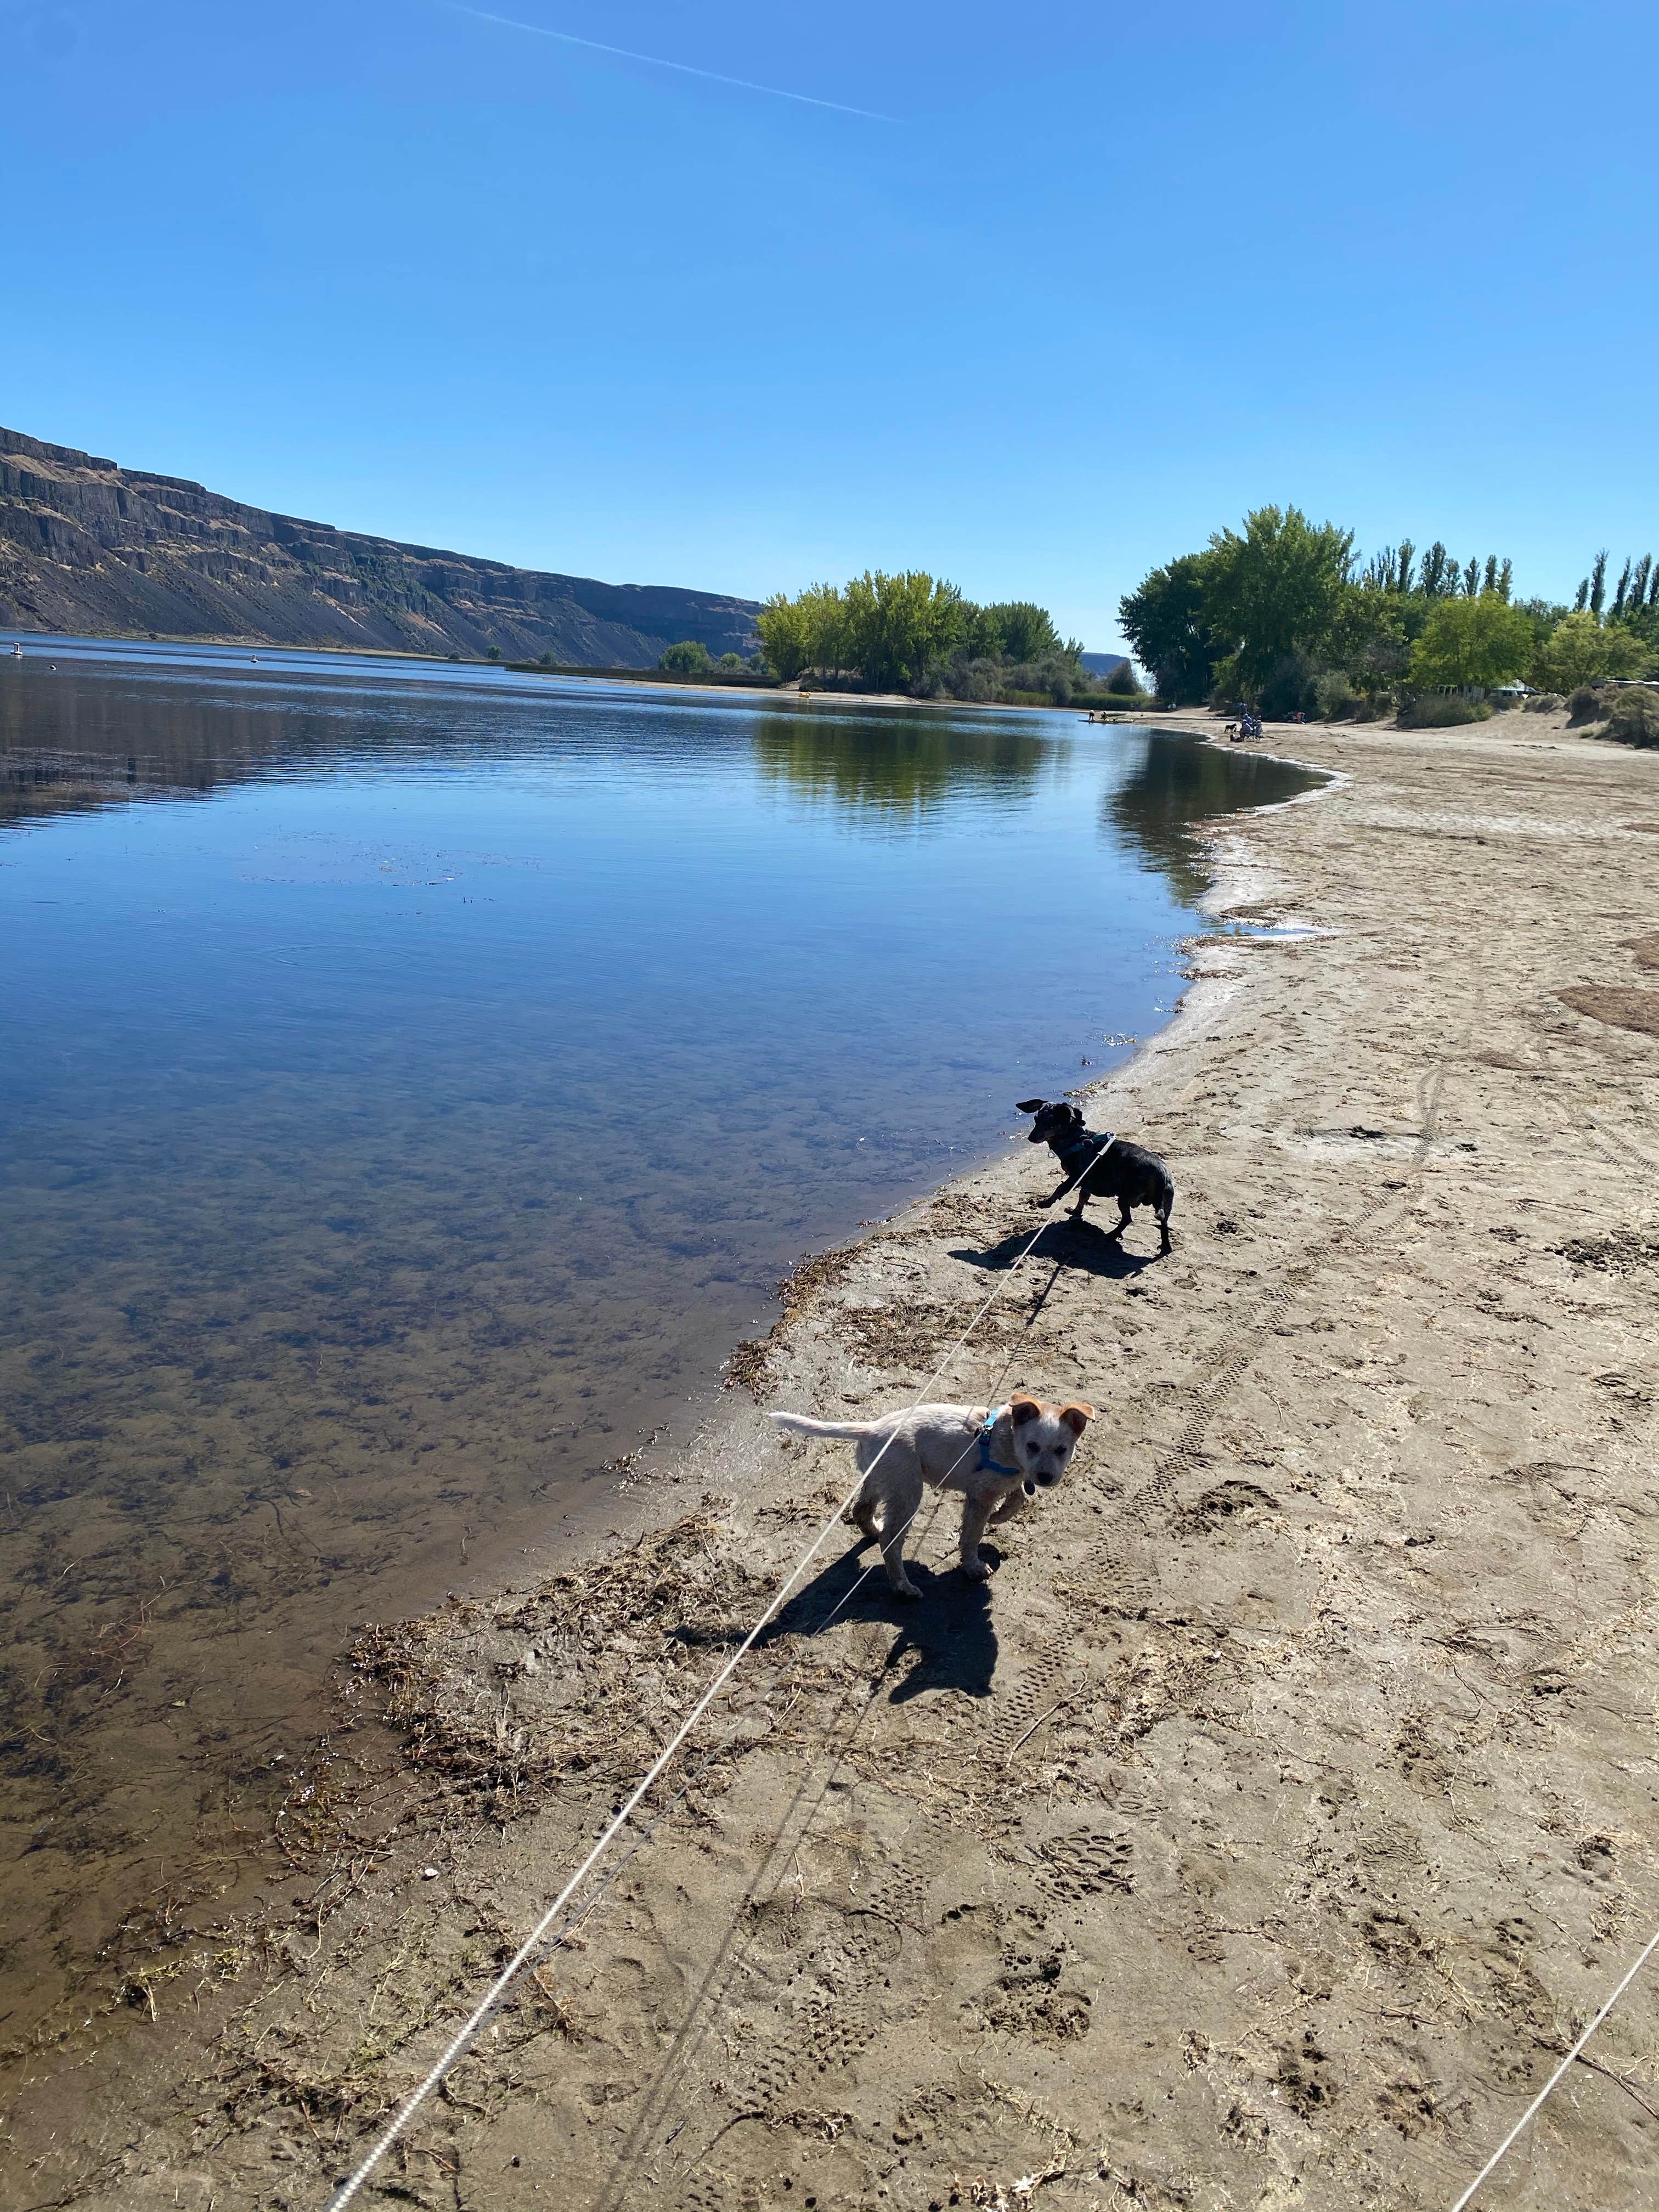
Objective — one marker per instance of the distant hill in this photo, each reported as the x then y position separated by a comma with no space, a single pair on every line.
1102,664
89,547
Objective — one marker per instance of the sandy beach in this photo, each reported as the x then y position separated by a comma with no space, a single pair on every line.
1264,1829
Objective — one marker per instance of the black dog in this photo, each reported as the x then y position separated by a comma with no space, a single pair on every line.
1102,1167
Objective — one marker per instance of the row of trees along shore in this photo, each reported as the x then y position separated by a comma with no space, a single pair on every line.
1281,615
915,633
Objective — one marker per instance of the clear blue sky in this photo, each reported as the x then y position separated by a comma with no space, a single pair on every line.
1107,277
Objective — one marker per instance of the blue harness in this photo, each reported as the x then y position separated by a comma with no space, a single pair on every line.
986,1464
1080,1154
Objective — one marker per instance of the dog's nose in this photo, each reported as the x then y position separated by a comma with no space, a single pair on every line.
1030,1489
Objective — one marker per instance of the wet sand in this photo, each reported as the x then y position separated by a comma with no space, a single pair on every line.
1261,1835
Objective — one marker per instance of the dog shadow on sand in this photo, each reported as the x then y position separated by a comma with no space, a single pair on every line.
948,1629
1079,1244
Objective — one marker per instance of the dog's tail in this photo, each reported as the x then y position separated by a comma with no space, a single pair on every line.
808,1427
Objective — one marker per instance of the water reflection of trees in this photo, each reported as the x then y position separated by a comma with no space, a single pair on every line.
898,764
1173,782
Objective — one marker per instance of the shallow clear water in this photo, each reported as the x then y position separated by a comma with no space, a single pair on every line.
413,1082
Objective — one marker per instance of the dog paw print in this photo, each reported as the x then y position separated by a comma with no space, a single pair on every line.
1304,2077
1029,1998
1225,1501
1596,1856
1409,2106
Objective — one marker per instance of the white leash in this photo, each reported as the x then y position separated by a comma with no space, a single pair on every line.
457,2047
1537,2103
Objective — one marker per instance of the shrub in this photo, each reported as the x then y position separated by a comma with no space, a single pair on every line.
979,679
1052,677
1586,705
1443,711
731,660
1333,695
1124,681
688,658
1633,716
1544,702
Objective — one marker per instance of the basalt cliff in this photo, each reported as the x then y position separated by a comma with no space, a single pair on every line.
91,547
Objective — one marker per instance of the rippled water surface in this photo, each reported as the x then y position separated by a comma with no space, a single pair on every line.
413,1080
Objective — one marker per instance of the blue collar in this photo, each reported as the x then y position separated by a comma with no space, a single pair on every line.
986,1464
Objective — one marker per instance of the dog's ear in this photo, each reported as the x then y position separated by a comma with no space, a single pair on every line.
1075,1114
1031,1105
1076,1418
1025,1407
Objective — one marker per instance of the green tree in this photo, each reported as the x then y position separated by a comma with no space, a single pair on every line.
688,658
1579,650
1272,594
1025,630
1471,640
1438,575
1368,639
783,626
1166,620
898,627
809,631
1390,570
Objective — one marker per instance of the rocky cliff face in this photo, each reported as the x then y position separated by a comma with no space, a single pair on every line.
87,547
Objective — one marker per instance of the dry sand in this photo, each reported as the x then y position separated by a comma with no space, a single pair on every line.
1264,1831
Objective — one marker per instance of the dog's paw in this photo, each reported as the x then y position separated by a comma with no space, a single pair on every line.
906,1589
976,1571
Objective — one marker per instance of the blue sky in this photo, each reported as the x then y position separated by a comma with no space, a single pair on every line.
1105,278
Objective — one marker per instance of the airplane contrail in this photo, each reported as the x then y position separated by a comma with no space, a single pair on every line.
656,61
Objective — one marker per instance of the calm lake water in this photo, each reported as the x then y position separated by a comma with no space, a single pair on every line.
413,1082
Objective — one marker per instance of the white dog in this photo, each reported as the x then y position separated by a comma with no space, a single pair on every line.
997,1456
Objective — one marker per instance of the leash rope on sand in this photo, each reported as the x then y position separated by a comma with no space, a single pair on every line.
463,2037
1538,2102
